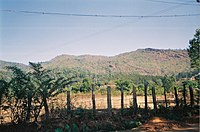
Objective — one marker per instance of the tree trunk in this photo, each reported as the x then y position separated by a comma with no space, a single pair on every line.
135,106
109,100
145,97
165,97
46,109
28,109
37,112
93,101
176,96
154,98
191,96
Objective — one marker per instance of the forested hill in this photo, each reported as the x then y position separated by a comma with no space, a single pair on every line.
142,61
3,64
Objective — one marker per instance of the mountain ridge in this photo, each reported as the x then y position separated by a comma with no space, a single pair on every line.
147,61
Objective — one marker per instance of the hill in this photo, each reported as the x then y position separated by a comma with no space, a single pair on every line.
4,72
3,64
142,61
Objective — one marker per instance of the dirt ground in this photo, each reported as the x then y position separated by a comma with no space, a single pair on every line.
158,124
85,101
152,124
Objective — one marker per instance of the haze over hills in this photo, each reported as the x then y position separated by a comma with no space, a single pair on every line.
142,61
3,64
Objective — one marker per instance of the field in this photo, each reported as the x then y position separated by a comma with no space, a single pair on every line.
85,101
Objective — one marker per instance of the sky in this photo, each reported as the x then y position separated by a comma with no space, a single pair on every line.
36,37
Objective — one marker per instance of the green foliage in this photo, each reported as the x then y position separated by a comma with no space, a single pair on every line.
131,124
86,85
76,87
102,91
140,89
79,112
194,50
67,128
74,128
47,85
19,86
142,61
3,88
127,85
58,130
190,74
168,82
84,128
27,93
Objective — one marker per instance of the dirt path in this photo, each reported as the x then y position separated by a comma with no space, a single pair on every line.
190,128
157,124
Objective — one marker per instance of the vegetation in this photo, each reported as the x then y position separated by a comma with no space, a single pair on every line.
27,93
142,61
25,90
156,62
24,94
194,50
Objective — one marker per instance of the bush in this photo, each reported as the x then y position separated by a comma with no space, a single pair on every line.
131,124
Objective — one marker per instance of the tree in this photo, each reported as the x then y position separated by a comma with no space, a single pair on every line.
3,90
46,85
194,50
17,96
168,83
86,85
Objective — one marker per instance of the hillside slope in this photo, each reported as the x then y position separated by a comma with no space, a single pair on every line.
143,61
3,64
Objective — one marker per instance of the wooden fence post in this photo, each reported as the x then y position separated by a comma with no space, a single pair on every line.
154,98
145,96
135,106
109,100
165,97
68,101
122,99
176,96
184,94
93,100
191,96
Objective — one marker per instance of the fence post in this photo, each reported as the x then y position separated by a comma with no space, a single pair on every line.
184,94
176,96
109,100
135,106
191,96
165,97
145,96
154,98
68,101
93,100
122,99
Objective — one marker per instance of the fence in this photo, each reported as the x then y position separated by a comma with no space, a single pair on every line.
95,101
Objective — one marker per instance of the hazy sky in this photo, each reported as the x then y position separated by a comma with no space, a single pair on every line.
37,37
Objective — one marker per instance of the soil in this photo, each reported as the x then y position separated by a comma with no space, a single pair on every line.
158,124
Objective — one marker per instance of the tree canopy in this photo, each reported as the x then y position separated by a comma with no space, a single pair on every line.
194,50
